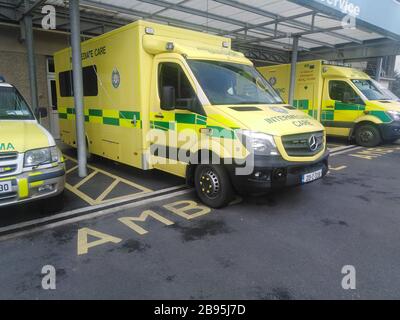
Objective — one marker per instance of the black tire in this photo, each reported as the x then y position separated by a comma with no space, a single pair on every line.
392,141
213,185
368,135
89,155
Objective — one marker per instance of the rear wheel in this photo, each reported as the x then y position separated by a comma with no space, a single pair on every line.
89,155
368,135
213,185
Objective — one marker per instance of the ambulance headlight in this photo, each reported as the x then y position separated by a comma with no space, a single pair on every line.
259,143
395,115
43,156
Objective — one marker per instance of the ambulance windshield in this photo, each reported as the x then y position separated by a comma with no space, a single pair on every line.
227,83
370,90
13,105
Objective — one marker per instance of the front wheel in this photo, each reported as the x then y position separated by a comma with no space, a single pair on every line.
213,185
368,135
392,141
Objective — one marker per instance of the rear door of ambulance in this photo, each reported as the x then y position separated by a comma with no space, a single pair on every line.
308,88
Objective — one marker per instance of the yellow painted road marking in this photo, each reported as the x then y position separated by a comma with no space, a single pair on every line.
130,222
373,153
337,168
110,188
72,169
191,209
84,245
182,208
80,194
100,210
84,180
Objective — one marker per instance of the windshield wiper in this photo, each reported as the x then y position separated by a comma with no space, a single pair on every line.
258,102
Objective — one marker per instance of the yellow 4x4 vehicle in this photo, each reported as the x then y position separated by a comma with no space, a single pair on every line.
161,97
31,165
346,101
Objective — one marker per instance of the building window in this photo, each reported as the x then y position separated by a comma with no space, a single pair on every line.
50,65
90,85
53,94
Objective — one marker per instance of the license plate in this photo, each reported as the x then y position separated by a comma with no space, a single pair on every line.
5,187
312,176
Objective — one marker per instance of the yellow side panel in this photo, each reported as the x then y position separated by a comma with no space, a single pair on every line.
309,84
341,132
278,77
113,118
177,168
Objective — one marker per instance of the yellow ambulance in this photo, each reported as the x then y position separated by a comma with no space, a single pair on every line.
346,101
31,165
160,97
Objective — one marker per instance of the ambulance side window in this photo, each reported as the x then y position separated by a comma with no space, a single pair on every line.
343,92
90,85
171,74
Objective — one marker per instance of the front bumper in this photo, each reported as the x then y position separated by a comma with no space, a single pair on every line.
390,131
34,185
275,172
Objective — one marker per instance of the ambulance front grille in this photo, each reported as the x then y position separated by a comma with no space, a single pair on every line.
7,156
304,145
6,170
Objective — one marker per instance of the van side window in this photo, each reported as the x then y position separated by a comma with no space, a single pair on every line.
171,74
342,91
90,85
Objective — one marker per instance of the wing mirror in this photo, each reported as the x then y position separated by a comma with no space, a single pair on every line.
41,113
168,98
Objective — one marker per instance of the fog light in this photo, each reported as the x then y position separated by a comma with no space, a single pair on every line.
46,187
260,175
279,174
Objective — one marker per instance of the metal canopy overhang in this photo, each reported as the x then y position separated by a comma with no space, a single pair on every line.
263,29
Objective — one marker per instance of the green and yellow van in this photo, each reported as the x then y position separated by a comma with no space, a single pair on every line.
160,97
346,101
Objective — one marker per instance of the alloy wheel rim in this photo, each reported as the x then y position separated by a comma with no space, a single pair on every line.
209,184
366,135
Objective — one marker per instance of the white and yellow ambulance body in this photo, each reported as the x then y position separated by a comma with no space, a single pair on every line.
201,101
31,165
346,101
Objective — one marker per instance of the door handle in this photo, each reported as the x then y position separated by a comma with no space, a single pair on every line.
159,116
134,121
330,107
206,131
